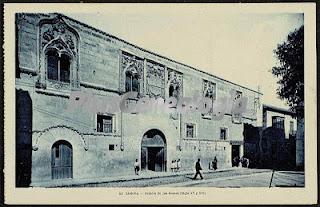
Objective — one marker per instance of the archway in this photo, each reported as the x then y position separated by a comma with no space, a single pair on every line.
61,160
154,151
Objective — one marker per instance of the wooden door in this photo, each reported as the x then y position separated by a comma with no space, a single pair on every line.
61,161
143,158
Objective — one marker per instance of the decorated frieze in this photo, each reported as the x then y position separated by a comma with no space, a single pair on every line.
155,78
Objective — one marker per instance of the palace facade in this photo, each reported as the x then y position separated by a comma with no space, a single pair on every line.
59,57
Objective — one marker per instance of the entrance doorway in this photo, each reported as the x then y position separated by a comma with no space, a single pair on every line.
153,151
61,160
235,153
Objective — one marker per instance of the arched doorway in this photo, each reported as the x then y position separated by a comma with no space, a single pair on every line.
61,160
153,151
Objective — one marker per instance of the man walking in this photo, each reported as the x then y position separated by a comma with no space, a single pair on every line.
198,168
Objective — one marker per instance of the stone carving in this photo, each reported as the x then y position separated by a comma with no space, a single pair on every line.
155,80
133,65
57,28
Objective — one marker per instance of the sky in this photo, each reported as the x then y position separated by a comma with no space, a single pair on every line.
234,46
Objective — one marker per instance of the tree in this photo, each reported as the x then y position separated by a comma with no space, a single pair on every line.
290,70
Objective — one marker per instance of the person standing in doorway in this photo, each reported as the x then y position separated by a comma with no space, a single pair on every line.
198,168
136,167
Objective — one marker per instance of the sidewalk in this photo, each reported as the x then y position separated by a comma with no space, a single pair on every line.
142,175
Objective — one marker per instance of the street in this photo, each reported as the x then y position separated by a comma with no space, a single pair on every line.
236,177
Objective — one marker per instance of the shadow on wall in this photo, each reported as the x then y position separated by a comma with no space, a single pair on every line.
23,138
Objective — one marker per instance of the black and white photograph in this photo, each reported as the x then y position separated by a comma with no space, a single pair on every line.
158,97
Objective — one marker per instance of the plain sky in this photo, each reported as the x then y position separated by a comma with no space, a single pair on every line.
234,46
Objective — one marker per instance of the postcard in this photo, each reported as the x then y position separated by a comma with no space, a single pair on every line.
160,103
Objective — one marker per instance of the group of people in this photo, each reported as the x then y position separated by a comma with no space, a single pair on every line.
240,162
175,165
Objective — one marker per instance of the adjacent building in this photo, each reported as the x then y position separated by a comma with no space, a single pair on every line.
274,144
67,71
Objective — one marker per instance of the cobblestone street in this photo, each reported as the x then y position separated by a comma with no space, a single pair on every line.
235,177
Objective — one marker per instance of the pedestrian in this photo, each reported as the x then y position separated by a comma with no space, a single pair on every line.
215,163
236,161
136,167
173,165
244,162
178,165
198,168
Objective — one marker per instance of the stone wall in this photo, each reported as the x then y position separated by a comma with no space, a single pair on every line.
100,61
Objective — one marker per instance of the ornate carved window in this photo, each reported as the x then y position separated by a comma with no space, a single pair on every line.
58,54
174,85
209,91
131,76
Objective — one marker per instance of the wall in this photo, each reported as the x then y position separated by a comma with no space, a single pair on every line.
99,71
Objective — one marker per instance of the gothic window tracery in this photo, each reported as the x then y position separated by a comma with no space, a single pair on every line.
155,79
58,54
131,78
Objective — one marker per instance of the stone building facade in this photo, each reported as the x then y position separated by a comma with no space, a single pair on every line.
59,58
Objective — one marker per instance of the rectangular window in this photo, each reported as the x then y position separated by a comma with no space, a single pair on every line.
104,123
111,147
278,122
190,130
223,133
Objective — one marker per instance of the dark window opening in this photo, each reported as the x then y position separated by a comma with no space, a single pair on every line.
104,123
58,67
132,82
52,65
171,89
223,133
174,91
111,147
190,130
64,68
278,122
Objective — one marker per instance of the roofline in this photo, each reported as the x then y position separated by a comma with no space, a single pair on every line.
145,50
278,109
